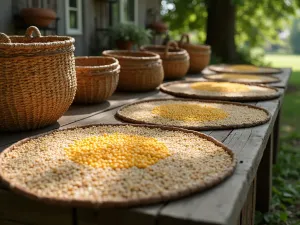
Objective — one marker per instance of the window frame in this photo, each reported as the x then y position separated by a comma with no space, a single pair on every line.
78,10
122,16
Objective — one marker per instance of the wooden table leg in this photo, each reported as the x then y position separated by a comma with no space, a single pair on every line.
248,212
276,137
264,179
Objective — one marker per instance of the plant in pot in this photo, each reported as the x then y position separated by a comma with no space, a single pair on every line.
127,35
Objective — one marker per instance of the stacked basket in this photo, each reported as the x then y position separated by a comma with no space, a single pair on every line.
97,78
37,79
175,60
140,71
199,54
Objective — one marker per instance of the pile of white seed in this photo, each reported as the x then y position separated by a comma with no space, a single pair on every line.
41,167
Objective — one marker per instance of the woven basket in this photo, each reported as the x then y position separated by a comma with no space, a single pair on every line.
140,71
97,78
175,60
37,79
199,54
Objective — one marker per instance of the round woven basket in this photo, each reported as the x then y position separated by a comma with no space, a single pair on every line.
37,79
140,71
175,60
97,78
199,54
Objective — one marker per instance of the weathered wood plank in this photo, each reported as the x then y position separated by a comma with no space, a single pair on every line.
248,212
115,216
264,179
16,208
276,138
210,207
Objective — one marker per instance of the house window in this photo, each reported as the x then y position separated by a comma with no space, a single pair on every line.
73,17
129,11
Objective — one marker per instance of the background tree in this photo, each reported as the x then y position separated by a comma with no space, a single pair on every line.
231,27
295,36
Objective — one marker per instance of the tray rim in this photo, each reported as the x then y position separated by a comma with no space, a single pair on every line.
163,88
217,68
196,128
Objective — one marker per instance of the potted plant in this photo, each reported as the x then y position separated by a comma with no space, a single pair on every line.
127,35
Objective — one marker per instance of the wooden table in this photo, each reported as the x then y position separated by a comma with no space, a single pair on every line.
232,202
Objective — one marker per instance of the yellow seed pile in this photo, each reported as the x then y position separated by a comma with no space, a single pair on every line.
189,112
220,87
244,68
117,151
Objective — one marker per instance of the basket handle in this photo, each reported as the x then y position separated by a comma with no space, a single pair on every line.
187,37
32,30
4,38
169,44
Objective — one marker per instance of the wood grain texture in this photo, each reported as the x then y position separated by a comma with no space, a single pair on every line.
19,209
276,138
264,179
248,212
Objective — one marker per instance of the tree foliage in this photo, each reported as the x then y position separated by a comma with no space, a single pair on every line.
257,22
295,36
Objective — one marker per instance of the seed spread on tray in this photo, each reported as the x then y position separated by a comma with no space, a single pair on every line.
243,68
192,113
219,90
220,87
49,166
189,112
242,78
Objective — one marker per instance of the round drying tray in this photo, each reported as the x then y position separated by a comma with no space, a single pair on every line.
242,78
245,69
193,114
215,90
115,165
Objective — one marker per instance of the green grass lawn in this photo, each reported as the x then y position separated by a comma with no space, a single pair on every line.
285,209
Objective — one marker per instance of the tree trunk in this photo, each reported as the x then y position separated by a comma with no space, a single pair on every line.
220,29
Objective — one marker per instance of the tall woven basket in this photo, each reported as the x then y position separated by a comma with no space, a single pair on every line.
37,79
199,54
176,61
140,71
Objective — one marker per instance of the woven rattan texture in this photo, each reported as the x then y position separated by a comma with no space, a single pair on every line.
37,80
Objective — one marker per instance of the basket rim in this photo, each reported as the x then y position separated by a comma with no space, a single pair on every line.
113,64
57,42
134,55
178,51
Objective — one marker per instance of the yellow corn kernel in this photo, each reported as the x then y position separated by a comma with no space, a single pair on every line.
220,87
189,112
117,151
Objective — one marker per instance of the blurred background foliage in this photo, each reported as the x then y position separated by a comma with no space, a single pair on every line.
260,26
